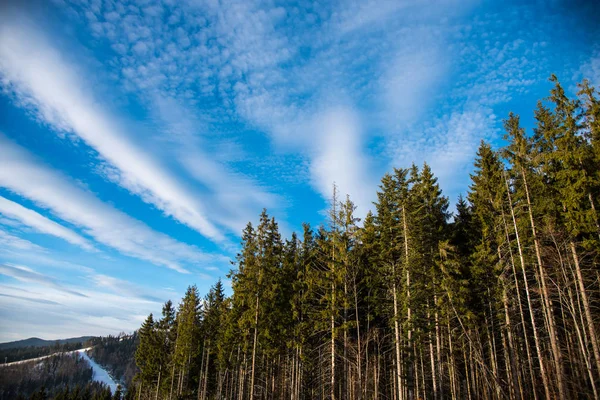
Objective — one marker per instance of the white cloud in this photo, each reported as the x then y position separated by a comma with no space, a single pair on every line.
409,81
590,70
247,59
232,197
20,173
376,15
338,158
41,77
40,223
16,243
448,145
61,311
462,132
26,274
235,199
120,286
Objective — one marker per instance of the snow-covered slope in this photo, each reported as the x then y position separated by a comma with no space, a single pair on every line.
100,373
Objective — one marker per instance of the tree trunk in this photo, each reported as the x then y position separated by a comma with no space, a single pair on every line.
533,324
254,350
172,382
158,384
398,385
333,340
358,339
586,306
206,372
408,297
521,313
546,296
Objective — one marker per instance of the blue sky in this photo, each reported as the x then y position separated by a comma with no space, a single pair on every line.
137,138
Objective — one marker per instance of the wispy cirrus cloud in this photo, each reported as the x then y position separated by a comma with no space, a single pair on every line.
40,78
84,310
591,69
29,299
120,286
338,159
234,68
210,111
41,224
448,145
23,175
279,68
26,274
10,242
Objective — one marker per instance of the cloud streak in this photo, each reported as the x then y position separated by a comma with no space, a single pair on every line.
120,286
16,243
41,78
61,311
338,159
22,174
41,224
28,275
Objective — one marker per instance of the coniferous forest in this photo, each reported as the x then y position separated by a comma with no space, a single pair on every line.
62,376
498,301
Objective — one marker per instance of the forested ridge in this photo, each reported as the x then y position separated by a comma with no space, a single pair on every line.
62,376
500,301
65,375
12,354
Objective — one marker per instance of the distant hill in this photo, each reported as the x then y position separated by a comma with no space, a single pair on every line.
37,342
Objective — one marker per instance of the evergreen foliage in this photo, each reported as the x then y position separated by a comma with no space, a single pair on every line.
500,301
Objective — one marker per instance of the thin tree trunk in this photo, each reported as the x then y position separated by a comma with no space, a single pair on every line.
158,384
521,313
200,378
206,372
452,364
358,339
546,296
344,383
438,348
254,350
467,371
489,333
586,306
431,357
397,337
172,382
333,340
533,324
578,329
408,297
513,366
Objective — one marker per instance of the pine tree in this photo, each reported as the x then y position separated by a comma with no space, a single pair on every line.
147,355
186,342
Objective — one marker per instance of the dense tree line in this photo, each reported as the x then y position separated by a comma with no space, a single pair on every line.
68,376
500,301
50,376
90,391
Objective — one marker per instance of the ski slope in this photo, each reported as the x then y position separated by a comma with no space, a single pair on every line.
100,374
